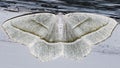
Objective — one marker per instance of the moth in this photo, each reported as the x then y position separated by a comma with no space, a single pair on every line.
49,36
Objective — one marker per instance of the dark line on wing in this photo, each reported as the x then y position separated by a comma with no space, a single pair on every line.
39,24
33,34
80,23
88,33
93,30
25,31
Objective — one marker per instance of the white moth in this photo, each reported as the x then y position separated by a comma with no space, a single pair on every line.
50,36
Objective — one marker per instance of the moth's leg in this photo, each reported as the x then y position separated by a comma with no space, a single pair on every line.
77,50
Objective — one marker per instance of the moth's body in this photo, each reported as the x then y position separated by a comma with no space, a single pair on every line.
60,26
49,36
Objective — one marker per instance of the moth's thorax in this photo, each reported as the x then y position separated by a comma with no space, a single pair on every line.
56,30
61,31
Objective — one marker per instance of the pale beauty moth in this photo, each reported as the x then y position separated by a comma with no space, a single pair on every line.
49,36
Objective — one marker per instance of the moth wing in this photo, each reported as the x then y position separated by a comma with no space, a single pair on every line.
89,29
30,31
